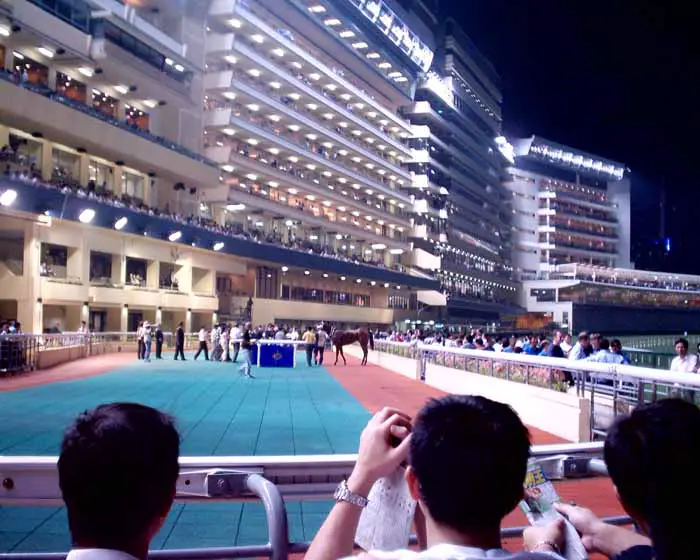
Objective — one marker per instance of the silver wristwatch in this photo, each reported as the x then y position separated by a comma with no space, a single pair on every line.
344,494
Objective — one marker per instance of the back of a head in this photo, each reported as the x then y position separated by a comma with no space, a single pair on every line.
117,471
470,457
652,459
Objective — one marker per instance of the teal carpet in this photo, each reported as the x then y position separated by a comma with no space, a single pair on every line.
282,412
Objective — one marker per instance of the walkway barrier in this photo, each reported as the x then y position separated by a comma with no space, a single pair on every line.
576,400
33,481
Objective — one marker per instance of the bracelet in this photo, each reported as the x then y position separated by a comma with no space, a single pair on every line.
549,544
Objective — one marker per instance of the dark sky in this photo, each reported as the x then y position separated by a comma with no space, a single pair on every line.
615,78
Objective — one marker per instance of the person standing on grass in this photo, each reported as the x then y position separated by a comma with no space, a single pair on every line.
309,338
180,341
321,339
147,341
202,337
159,342
246,347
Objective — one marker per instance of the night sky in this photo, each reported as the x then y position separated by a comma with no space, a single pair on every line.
614,78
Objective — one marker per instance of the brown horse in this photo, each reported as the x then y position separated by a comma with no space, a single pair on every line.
343,338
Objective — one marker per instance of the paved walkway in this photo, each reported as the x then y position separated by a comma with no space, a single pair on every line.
219,413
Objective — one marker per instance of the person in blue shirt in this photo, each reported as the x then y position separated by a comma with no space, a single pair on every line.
616,348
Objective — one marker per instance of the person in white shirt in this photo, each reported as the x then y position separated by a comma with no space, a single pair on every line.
465,482
604,355
202,337
321,341
224,342
117,472
684,362
236,335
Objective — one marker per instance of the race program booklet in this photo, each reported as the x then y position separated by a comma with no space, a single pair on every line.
385,524
538,505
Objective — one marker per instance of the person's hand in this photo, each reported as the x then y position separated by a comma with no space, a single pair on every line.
377,456
545,538
587,523
598,536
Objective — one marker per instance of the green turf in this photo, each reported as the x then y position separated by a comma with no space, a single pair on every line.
281,412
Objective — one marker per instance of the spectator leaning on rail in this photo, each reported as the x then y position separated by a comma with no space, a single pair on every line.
468,458
652,459
684,362
117,471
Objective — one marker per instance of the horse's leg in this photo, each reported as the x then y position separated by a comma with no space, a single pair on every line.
342,354
337,354
364,354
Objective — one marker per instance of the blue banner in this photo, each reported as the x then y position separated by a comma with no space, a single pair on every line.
254,354
277,355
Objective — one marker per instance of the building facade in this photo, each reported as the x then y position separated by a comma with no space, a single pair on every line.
464,223
569,207
172,166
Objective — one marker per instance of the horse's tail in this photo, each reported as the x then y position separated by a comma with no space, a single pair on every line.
371,339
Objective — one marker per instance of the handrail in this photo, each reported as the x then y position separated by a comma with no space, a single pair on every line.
581,366
34,481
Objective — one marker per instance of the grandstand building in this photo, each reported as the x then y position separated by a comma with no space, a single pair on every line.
171,166
464,224
571,247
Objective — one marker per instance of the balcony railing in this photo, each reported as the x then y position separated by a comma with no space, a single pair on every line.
45,91
37,197
307,179
324,96
280,102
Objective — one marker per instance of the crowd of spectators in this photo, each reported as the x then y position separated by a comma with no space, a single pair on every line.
18,167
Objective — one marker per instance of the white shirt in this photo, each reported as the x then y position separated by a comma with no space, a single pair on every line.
686,364
455,552
236,333
202,335
98,554
605,357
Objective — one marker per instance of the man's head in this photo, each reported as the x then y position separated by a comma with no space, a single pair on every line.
651,456
468,461
681,347
558,337
117,472
616,346
583,339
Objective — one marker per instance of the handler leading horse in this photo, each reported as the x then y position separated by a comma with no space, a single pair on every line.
343,338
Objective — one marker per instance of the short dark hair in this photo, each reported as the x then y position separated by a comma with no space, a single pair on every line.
117,471
683,341
651,457
470,457
604,344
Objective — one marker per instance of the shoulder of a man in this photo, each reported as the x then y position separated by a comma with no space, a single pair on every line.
444,553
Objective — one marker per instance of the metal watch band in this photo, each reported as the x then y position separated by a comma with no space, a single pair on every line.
344,494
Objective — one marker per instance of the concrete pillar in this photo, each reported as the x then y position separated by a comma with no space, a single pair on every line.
4,136
124,319
159,315
118,269
76,266
184,277
85,313
46,160
9,61
153,274
30,314
52,78
84,169
188,321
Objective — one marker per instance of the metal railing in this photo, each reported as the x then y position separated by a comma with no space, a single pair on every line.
33,481
20,353
612,389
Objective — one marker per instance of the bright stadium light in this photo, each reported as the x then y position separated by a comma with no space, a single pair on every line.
174,236
87,215
8,197
218,245
121,223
